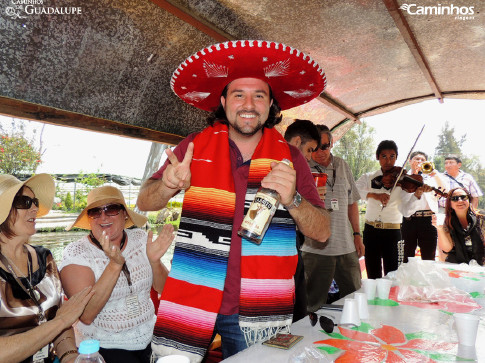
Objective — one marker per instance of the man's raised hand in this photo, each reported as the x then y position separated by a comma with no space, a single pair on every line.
177,174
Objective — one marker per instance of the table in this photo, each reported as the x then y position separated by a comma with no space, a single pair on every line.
396,331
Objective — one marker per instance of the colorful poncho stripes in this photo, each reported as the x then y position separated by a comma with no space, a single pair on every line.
193,291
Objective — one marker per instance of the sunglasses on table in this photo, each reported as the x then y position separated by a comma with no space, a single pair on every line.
324,147
326,323
456,198
24,202
110,210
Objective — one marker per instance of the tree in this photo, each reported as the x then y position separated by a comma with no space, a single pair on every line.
357,148
18,155
449,144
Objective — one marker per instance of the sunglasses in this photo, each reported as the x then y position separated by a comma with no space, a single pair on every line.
110,210
326,323
456,198
324,146
24,202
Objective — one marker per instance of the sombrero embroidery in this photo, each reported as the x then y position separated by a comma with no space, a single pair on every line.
294,77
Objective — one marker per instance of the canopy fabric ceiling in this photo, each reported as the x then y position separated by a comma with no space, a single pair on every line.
108,68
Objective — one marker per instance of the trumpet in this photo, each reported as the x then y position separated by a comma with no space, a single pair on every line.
427,167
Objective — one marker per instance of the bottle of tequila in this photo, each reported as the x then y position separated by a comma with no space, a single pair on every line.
260,213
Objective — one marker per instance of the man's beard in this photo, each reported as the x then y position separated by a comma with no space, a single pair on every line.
254,131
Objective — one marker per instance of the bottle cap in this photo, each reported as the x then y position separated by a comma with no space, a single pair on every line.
89,346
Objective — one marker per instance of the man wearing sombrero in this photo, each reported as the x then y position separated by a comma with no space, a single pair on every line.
219,283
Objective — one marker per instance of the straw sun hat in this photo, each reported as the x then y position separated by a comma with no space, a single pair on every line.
42,186
102,196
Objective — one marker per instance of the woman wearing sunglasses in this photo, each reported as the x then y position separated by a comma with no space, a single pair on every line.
122,265
461,237
34,325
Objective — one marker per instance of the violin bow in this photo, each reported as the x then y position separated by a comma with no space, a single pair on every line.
405,161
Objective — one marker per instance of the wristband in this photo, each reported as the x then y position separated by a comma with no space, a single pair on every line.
69,352
357,234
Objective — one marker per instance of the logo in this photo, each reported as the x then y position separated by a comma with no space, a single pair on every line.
22,9
459,12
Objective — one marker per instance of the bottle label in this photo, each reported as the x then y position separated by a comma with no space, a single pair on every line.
259,214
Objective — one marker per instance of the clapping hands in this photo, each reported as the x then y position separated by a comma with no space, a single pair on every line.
157,248
112,251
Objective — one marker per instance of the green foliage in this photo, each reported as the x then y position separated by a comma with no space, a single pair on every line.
357,148
85,183
447,144
68,202
450,144
17,155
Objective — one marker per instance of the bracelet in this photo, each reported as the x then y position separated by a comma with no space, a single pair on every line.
68,337
69,352
357,234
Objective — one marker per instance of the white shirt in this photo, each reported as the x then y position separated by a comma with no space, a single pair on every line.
393,212
428,201
114,327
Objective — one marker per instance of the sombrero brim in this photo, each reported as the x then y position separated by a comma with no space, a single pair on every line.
134,218
294,77
42,185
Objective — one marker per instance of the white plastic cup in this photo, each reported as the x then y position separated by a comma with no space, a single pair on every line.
466,328
361,299
350,313
369,288
174,358
383,288
467,352
440,219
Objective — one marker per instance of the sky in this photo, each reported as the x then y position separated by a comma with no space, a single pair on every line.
403,125
70,150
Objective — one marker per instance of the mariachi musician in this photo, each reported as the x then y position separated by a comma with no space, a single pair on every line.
417,229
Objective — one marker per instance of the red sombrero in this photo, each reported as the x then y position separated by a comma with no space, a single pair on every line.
294,77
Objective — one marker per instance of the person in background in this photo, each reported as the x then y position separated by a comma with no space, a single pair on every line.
304,135
35,323
338,258
417,229
383,216
122,265
240,290
462,235
453,178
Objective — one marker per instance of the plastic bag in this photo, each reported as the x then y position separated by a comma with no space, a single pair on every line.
425,282
308,354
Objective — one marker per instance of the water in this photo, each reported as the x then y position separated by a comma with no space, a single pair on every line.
57,241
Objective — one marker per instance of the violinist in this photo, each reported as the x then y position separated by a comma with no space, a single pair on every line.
417,229
383,217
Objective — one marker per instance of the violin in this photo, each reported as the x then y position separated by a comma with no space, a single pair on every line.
408,183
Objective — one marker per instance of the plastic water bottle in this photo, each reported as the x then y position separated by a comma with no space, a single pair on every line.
89,352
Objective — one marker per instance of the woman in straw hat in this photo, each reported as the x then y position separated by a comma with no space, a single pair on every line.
31,315
122,264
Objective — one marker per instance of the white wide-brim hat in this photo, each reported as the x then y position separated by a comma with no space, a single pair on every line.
102,196
42,185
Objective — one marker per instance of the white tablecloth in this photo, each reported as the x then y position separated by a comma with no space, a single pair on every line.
397,330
